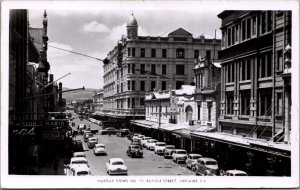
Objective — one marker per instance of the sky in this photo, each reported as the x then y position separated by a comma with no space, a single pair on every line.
95,32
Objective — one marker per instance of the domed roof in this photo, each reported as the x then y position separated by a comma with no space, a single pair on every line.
132,21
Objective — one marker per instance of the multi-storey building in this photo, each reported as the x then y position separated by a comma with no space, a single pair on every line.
207,94
97,105
252,87
139,64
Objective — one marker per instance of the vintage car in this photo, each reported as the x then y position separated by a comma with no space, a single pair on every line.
169,151
78,154
74,162
159,148
77,145
192,160
179,155
99,149
235,173
87,135
123,132
150,144
116,166
92,141
144,141
207,166
81,128
108,130
78,170
135,150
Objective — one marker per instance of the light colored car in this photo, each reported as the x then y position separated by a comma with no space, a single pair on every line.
92,141
179,155
235,173
74,162
168,151
79,170
151,143
192,160
135,136
78,154
144,141
207,167
159,148
99,149
116,166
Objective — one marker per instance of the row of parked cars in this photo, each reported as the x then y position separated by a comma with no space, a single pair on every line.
95,121
196,162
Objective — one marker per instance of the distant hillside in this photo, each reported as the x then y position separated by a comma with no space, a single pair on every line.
79,95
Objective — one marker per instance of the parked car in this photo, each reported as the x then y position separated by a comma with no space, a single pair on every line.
169,151
74,162
135,150
123,132
79,170
150,144
235,173
77,145
144,141
116,166
207,166
159,147
81,127
131,135
78,154
179,155
87,135
103,132
192,160
99,149
92,141
135,136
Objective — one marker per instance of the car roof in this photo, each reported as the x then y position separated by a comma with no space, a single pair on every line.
179,150
193,154
169,145
79,153
99,144
84,167
116,159
91,138
236,171
207,159
78,158
160,143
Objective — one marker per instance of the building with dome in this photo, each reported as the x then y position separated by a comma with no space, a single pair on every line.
140,64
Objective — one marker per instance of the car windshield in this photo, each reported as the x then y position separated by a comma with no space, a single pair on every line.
82,173
152,141
181,152
117,163
161,144
137,146
100,146
211,163
196,157
79,162
170,147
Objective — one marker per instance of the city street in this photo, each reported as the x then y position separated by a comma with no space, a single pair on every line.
150,164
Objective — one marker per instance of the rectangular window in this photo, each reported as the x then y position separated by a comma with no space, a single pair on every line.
121,87
128,51
245,102
153,69
128,68
265,103
133,52
163,85
224,36
133,68
117,88
133,102
164,53
229,36
269,64
248,28
263,22
229,103
164,70
232,35
133,85
179,69
128,85
199,107
243,30
254,27
179,84
269,21
142,68
152,85
153,52
142,52
248,69
237,33
196,54
279,60
208,54
142,101
209,105
180,53
279,104
128,103
142,86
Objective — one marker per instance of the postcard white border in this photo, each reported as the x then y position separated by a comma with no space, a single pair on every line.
10,181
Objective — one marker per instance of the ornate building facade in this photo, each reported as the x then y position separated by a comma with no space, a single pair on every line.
139,64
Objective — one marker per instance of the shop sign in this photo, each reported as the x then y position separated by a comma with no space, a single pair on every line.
36,123
52,135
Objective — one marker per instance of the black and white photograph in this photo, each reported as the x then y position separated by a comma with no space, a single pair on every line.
150,94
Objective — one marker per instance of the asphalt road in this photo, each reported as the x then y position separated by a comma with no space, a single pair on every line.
150,164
